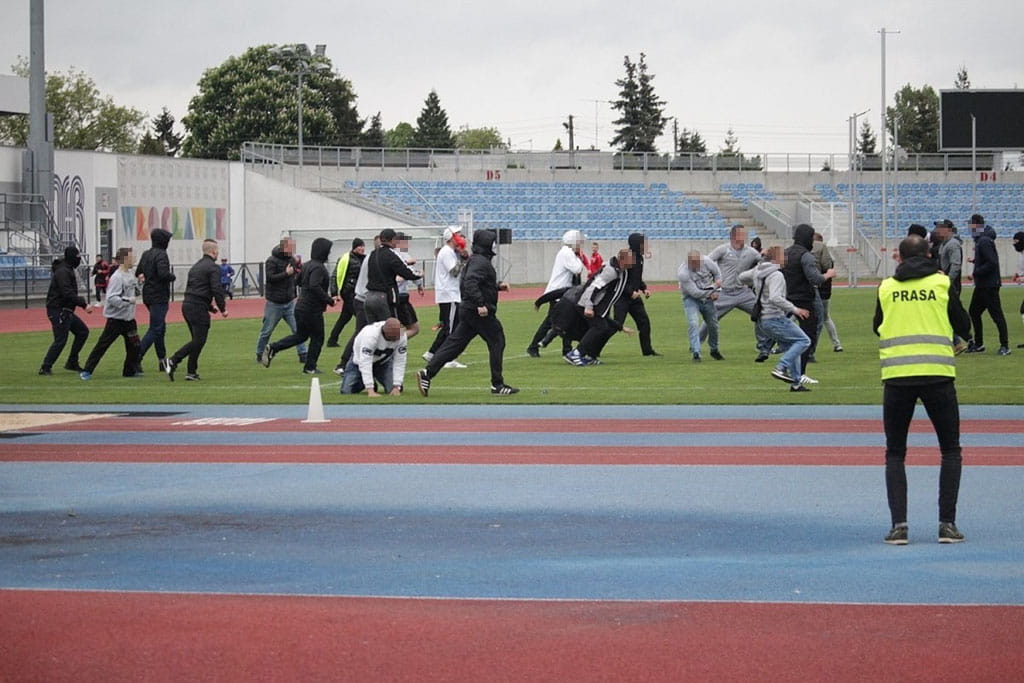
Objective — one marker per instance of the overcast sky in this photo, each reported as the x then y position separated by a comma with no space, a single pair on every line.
785,75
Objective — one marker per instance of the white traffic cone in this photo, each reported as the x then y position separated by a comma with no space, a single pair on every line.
315,413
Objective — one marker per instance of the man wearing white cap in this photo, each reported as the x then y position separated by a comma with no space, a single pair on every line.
566,272
450,261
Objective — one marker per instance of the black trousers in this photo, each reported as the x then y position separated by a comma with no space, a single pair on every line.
449,318
197,317
987,299
542,332
810,327
636,308
961,321
111,331
472,324
599,331
940,402
360,315
64,321
348,311
309,324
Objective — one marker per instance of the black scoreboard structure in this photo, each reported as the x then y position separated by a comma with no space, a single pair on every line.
998,120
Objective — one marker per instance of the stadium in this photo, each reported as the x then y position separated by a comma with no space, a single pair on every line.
648,519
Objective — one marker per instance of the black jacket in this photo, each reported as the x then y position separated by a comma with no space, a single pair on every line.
315,282
635,277
801,269
156,267
383,265
479,285
280,286
986,259
203,284
63,291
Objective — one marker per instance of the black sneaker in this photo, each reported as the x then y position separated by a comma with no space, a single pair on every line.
45,371
696,358
652,352
761,357
532,352
162,365
73,366
1004,351
266,357
800,388
504,390
312,371
423,382
717,356
896,536
975,348
948,533
169,368
192,377
332,343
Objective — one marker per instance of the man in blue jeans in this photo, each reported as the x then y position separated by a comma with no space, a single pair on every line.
770,286
701,282
154,268
280,295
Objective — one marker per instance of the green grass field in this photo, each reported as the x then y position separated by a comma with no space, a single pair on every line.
230,374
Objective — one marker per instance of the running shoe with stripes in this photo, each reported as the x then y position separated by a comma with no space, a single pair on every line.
780,374
423,382
504,390
573,357
804,379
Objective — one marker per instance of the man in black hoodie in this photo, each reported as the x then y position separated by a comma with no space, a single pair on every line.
279,290
201,289
155,268
314,299
62,299
987,281
802,280
632,300
477,316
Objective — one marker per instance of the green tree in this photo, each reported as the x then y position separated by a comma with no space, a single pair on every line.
962,81
558,146
917,110
163,126
243,100
432,129
374,135
641,112
151,145
691,142
867,140
82,117
400,137
479,138
732,144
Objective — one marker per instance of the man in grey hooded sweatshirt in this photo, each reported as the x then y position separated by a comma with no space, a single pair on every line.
770,284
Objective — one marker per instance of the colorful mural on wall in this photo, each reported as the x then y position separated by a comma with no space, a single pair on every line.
185,223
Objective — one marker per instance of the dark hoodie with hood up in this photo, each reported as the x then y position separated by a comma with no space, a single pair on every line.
479,286
635,278
986,259
315,280
156,267
801,269
63,291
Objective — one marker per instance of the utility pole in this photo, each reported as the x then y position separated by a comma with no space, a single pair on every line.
675,135
885,236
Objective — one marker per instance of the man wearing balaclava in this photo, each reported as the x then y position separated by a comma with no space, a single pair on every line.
632,300
802,278
62,299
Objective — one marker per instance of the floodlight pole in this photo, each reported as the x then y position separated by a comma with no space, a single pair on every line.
885,236
851,192
302,62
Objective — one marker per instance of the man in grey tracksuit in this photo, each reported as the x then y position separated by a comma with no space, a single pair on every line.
733,258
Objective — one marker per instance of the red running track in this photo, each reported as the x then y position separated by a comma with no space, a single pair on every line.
95,636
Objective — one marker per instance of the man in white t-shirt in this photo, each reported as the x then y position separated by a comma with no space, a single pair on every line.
567,271
378,357
451,259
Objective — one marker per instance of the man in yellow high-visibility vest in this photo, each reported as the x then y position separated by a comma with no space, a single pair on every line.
912,320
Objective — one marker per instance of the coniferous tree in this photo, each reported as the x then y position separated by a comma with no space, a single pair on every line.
731,148
691,142
374,135
867,140
163,125
151,145
641,112
962,81
432,129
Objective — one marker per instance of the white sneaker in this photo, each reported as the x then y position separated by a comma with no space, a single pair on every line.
428,356
455,365
804,379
